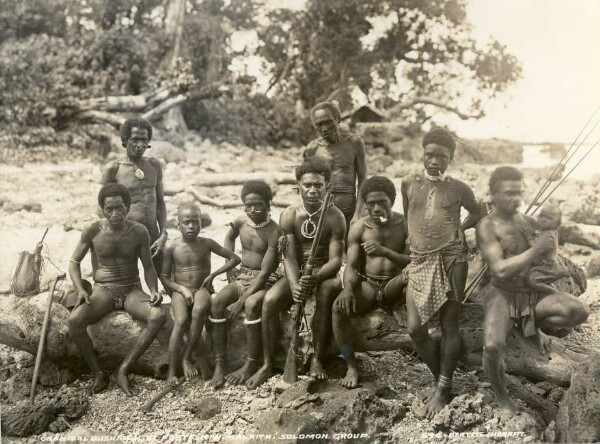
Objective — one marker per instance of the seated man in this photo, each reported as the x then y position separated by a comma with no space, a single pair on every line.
258,235
299,225
377,241
547,269
502,239
116,244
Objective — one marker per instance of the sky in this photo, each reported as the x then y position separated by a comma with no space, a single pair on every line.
558,45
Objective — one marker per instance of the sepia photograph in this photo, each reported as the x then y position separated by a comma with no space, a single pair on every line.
299,221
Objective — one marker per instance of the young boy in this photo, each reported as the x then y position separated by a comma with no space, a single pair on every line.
186,273
547,269
246,291
438,270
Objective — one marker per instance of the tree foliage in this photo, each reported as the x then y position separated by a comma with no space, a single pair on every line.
403,55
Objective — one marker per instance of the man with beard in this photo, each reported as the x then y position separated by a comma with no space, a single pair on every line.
299,225
142,176
345,155
116,244
258,235
373,273
503,238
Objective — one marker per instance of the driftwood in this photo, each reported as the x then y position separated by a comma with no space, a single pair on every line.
21,321
544,407
151,105
224,179
206,200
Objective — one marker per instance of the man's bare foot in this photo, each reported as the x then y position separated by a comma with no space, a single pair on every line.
123,381
205,370
172,380
218,378
437,402
350,381
101,381
507,408
242,374
316,369
189,370
427,394
263,373
543,342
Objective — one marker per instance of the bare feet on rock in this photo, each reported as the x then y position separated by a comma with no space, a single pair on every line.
316,369
507,408
242,374
427,394
263,373
205,370
350,381
218,378
101,381
189,370
438,401
543,342
123,381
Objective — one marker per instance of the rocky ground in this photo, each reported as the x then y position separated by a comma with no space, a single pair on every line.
62,196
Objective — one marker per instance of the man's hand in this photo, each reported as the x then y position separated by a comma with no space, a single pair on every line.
346,303
373,248
233,310
82,296
208,284
159,244
232,275
299,295
156,299
188,296
308,283
544,242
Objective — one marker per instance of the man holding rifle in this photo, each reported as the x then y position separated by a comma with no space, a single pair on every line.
299,225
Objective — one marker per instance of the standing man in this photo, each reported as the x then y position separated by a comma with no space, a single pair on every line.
142,176
502,237
299,225
345,154
373,273
116,244
438,271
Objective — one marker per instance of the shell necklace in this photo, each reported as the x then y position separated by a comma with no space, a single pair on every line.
308,227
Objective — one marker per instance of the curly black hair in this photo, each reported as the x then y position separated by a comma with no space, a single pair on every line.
378,183
441,137
137,123
503,173
313,165
114,190
331,106
259,187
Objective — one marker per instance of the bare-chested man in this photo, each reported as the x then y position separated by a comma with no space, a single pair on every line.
116,244
502,239
259,236
187,274
142,176
438,270
345,154
547,269
299,224
373,270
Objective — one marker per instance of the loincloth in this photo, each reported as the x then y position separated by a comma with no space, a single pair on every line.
378,284
521,300
431,279
246,276
119,292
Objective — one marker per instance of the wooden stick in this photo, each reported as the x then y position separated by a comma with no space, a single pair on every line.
40,350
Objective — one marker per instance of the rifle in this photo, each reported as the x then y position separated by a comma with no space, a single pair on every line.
290,372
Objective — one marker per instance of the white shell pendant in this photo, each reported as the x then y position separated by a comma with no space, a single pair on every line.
139,173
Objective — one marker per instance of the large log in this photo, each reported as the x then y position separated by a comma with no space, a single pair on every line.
21,319
224,179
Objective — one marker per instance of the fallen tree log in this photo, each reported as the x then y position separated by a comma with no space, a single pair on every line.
21,320
225,179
